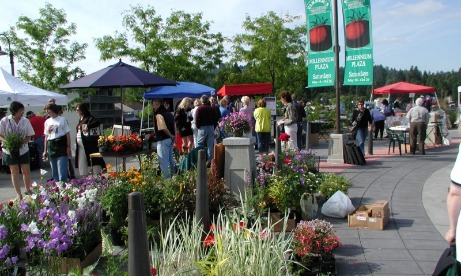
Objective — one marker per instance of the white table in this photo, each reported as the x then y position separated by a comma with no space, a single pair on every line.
404,130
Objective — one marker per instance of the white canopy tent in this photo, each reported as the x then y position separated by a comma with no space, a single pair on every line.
14,89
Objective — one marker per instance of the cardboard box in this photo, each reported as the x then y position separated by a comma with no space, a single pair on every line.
371,216
277,220
66,265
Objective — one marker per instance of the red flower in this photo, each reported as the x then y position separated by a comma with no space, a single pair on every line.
10,203
287,160
240,226
209,240
284,137
153,271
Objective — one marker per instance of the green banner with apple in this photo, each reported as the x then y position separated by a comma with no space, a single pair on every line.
358,69
321,57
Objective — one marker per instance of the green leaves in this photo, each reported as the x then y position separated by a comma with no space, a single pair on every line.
45,50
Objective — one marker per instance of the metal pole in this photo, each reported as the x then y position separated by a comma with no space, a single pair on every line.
138,252
11,53
336,49
202,210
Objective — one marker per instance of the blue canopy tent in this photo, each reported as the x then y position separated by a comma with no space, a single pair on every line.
181,90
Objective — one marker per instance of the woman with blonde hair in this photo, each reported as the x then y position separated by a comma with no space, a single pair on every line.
197,103
183,119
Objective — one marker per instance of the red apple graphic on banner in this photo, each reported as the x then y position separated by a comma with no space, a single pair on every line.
320,36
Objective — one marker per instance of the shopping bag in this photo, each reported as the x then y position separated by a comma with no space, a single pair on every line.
447,264
338,206
309,206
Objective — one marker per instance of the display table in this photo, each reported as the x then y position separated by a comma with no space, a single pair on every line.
123,156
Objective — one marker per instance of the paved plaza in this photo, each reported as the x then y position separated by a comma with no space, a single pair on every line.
416,187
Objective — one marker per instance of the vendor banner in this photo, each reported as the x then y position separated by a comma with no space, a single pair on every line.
358,69
321,57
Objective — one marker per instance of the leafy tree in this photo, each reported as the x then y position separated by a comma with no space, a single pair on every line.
179,48
45,51
273,52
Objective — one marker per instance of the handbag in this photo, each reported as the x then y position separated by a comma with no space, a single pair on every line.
93,133
447,264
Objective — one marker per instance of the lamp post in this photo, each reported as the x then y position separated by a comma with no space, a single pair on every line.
2,53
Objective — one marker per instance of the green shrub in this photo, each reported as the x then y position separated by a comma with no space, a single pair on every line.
331,183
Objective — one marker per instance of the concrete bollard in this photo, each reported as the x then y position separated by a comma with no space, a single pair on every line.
278,149
308,133
370,142
138,252
202,209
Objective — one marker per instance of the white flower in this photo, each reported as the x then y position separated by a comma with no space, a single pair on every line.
33,196
46,202
33,229
71,214
42,172
34,184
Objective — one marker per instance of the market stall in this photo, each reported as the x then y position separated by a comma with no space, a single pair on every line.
437,129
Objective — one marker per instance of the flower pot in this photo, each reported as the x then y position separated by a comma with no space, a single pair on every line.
316,266
68,264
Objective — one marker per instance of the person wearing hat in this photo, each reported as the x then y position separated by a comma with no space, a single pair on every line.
38,124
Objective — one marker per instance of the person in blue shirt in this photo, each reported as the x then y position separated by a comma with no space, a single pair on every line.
378,122
388,111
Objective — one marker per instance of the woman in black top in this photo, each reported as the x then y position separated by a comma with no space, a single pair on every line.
87,142
183,119
361,118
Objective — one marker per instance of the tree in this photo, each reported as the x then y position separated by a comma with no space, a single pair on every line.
273,52
179,48
46,53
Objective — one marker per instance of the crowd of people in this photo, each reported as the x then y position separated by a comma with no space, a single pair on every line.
50,135
196,121
374,119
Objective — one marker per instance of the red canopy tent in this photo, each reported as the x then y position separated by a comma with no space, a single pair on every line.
245,89
403,88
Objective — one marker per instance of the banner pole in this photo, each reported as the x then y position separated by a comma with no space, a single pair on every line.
336,50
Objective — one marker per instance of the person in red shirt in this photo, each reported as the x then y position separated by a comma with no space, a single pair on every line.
38,124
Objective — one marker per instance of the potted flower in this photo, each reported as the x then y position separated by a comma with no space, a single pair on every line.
119,144
314,243
284,138
58,221
236,124
13,141
331,183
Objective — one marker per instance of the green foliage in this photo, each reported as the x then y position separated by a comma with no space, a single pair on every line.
284,192
452,116
331,183
232,247
272,52
181,47
44,49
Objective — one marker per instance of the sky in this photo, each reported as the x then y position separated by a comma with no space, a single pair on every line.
422,33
